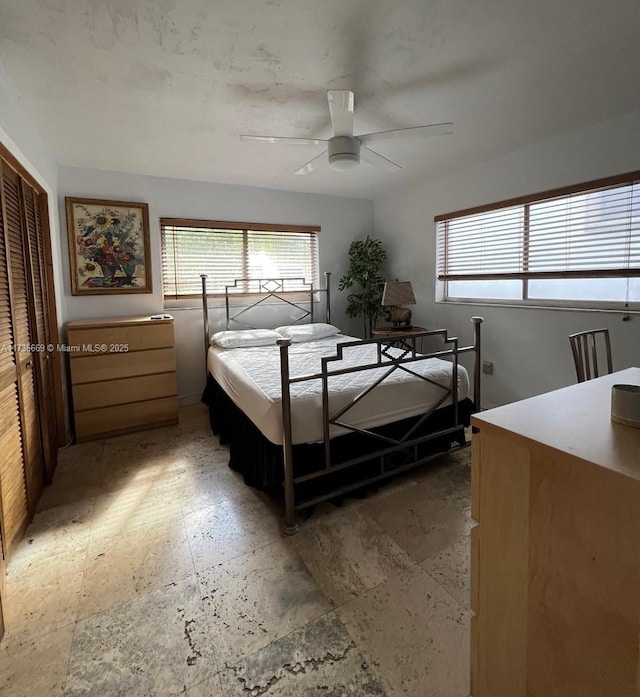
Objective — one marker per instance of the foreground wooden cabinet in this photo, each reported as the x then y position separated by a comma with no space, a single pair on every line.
123,375
556,553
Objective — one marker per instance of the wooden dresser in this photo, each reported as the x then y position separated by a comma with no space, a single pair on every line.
123,375
555,557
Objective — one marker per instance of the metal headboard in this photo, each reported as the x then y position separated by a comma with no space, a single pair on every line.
265,289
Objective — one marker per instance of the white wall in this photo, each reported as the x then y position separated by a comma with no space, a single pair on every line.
19,136
529,347
341,220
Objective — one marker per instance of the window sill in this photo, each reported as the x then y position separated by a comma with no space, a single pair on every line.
536,305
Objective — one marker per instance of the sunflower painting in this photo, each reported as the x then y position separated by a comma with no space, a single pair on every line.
108,246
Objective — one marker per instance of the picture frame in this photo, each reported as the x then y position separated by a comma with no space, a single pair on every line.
109,250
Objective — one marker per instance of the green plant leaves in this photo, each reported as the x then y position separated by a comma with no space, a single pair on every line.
366,258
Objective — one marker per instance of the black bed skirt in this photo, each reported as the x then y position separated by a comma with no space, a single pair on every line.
261,462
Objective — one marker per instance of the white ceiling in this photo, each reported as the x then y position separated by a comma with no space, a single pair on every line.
165,87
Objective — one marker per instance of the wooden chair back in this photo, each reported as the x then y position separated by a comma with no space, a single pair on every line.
584,346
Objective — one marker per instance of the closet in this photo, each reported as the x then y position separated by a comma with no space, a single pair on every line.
32,421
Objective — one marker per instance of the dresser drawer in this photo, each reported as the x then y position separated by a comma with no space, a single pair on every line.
135,338
121,365
103,394
109,421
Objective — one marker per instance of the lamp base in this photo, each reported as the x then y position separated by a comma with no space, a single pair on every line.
399,315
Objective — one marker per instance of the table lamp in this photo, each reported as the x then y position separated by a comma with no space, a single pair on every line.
397,293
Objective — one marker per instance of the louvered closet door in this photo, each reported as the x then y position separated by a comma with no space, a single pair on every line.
13,488
39,329
2,587
24,333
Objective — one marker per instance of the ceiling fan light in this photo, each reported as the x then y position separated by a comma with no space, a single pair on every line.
341,162
344,153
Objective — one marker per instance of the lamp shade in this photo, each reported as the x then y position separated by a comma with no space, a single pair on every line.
398,293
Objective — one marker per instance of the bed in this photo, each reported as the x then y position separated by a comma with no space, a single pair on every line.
322,416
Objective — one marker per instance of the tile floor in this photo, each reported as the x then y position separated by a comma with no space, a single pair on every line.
152,570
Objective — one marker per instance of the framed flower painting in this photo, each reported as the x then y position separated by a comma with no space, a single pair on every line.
108,246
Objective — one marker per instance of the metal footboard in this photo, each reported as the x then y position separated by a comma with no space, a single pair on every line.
408,443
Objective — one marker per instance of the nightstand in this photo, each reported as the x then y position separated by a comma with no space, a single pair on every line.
399,338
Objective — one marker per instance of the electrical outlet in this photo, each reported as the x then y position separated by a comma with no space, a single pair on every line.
487,367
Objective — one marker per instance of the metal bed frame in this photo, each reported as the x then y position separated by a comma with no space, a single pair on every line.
408,443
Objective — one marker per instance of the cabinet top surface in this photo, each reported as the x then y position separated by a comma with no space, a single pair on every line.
575,420
114,321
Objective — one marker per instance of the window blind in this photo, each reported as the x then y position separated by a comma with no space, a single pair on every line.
592,233
230,251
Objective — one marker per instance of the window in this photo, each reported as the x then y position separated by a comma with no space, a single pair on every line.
229,251
578,246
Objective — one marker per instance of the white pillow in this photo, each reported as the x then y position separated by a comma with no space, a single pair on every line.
245,338
307,332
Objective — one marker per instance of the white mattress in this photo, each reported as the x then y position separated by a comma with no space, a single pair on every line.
251,378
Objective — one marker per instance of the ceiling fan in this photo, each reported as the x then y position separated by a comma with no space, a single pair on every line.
344,149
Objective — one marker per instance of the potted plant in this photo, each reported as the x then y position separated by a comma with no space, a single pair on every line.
365,276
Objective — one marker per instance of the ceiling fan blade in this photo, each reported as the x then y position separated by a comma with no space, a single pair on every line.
377,160
280,139
434,129
341,106
312,164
